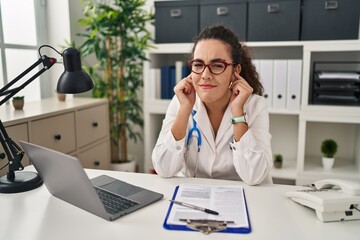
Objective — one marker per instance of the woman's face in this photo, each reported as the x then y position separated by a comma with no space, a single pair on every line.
210,87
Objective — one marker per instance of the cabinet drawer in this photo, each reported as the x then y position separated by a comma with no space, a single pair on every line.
56,133
16,133
97,156
176,21
270,20
92,124
330,19
230,13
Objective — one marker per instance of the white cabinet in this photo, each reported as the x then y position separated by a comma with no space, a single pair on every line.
78,126
297,131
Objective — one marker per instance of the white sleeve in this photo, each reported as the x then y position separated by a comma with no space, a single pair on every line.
252,153
168,154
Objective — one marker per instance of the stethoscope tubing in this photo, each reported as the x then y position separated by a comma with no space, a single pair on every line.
198,137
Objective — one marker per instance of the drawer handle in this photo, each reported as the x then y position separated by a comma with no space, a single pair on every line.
57,137
331,5
266,96
273,8
95,124
293,96
222,11
279,96
97,163
175,13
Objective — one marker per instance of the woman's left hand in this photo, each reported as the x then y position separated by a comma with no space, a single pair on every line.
241,91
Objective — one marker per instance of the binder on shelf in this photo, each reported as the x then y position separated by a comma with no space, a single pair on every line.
228,200
279,81
178,71
168,82
181,71
294,76
266,71
172,82
154,83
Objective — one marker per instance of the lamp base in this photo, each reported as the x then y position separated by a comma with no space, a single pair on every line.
24,181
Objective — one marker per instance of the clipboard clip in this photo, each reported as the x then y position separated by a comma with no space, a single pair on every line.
206,226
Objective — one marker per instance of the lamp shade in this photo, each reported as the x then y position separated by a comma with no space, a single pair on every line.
74,79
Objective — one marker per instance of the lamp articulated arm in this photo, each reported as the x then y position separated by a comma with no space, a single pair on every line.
8,93
12,151
73,80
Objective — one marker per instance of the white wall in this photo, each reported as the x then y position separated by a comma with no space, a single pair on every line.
58,30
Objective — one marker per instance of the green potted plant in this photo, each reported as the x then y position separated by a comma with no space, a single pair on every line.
18,102
278,160
117,35
328,149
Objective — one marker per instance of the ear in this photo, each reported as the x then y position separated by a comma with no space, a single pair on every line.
238,68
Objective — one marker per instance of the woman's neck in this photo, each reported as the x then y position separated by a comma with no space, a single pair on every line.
216,111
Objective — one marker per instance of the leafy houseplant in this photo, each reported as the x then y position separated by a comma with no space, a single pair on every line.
116,33
278,160
18,102
328,149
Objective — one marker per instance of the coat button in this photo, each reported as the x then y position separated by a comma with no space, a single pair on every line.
178,148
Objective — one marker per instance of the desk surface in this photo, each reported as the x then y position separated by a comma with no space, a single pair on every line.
37,215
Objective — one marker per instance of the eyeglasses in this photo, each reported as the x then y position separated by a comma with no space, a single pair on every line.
216,68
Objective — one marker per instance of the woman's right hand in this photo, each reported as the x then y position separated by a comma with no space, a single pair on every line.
185,93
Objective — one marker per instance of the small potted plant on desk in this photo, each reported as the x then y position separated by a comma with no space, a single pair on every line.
278,160
328,149
18,102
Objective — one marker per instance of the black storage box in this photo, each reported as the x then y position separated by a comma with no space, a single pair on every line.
342,90
274,20
230,13
330,19
176,21
336,83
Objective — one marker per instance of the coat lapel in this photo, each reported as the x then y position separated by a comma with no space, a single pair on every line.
224,126
203,123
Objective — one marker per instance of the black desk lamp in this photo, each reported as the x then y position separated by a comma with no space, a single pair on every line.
72,80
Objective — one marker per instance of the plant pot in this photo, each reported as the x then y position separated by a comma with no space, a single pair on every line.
129,166
278,164
61,97
328,163
18,104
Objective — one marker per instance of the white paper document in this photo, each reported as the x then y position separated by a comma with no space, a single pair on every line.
339,75
228,201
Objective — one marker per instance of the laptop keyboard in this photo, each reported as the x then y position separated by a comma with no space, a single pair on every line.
114,203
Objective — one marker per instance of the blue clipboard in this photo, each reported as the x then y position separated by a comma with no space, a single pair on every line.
242,230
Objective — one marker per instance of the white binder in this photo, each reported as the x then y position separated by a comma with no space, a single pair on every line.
178,71
155,83
266,70
280,81
294,77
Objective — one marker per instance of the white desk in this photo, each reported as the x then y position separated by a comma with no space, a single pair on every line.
37,215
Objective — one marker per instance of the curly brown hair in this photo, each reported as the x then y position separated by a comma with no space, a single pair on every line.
239,53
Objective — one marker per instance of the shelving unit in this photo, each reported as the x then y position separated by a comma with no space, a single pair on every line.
297,135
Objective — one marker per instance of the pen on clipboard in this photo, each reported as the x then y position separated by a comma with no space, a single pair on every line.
195,207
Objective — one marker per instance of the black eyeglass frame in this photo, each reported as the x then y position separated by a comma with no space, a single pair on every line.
208,66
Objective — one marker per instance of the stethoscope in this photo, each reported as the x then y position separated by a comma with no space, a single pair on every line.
197,136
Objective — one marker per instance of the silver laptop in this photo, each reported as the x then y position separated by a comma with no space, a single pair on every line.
103,196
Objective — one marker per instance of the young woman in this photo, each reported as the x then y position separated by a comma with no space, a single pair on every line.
217,124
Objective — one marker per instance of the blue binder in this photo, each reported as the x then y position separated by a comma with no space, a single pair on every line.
167,82
242,230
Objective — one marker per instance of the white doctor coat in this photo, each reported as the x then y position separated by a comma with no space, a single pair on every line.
249,159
